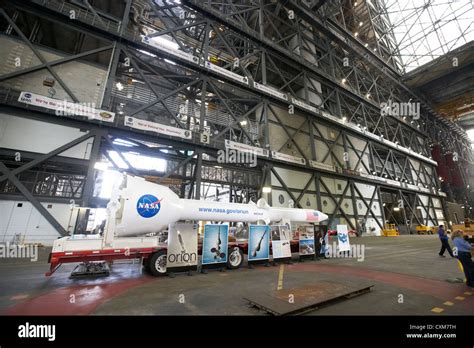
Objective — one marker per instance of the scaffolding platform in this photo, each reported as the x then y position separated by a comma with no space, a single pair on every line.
298,301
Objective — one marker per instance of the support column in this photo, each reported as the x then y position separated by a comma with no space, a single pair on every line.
197,175
90,178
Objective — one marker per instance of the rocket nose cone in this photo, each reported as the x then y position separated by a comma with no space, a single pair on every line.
322,217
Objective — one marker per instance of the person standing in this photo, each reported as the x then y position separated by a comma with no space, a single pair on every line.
443,237
463,251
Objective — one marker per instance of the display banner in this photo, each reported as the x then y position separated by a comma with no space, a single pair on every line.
226,72
288,158
281,236
343,238
155,42
182,246
259,242
270,90
303,105
246,148
65,108
306,237
214,244
157,127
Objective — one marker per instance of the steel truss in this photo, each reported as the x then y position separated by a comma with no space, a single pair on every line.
336,108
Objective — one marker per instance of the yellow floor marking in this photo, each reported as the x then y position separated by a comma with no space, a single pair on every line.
437,310
448,303
280,277
460,298
467,293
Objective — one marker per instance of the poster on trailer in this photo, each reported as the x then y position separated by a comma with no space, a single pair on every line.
280,235
214,244
306,236
259,242
182,245
343,238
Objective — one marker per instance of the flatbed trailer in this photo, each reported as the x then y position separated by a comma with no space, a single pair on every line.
146,248
138,210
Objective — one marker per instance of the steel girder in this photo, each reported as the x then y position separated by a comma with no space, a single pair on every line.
240,102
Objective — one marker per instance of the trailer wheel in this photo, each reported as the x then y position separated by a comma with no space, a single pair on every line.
157,263
235,259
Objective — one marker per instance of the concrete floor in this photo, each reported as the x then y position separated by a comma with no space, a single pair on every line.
408,277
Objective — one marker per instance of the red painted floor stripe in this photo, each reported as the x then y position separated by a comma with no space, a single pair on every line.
436,288
86,299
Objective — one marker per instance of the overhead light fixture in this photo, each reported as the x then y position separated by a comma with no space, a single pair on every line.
218,167
396,209
343,81
266,189
356,34
243,123
344,119
367,95
361,24
119,86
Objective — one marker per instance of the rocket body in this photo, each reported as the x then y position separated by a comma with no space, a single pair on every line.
143,207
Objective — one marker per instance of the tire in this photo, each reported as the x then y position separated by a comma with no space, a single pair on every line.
235,258
157,263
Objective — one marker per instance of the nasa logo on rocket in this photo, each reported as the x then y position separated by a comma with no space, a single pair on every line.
148,206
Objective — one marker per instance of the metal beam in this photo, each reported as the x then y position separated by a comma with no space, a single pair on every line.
38,55
42,210
49,155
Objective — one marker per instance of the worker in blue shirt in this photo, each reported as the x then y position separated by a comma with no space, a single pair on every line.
463,251
443,237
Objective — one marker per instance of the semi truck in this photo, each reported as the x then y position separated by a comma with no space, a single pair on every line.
139,211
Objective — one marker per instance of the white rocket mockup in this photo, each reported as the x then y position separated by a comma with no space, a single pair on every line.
143,207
